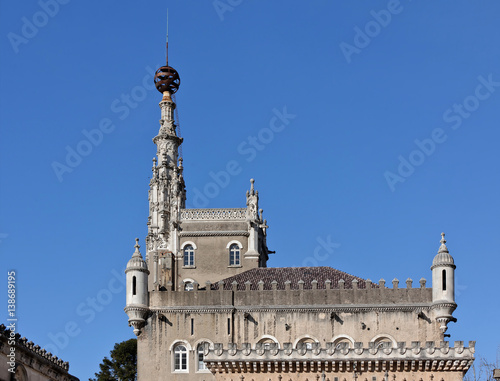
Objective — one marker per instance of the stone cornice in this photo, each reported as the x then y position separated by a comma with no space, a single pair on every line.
295,308
194,309
339,308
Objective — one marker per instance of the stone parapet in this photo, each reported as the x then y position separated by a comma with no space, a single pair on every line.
49,364
418,357
244,296
233,214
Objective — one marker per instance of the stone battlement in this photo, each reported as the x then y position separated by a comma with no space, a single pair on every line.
23,343
374,295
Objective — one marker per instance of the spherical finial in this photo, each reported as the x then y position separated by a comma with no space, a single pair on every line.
442,238
167,79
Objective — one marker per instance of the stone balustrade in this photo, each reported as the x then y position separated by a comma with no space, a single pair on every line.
230,214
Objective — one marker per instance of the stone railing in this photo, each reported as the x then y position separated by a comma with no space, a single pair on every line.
233,214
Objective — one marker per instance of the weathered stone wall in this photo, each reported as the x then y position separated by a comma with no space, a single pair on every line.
364,316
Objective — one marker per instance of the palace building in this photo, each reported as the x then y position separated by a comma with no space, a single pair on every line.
205,306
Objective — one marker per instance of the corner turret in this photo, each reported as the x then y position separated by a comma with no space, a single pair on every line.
443,286
137,290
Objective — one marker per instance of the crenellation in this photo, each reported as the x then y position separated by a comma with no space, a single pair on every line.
260,285
274,285
31,353
409,283
245,295
341,284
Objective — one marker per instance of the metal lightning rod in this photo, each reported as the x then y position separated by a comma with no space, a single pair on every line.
167,36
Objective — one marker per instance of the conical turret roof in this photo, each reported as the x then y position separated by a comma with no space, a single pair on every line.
137,262
443,256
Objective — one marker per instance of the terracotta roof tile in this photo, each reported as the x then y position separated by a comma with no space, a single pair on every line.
294,275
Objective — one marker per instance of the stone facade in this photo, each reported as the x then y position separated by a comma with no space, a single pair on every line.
205,306
32,363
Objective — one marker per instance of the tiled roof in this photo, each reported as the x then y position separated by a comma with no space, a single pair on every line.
294,275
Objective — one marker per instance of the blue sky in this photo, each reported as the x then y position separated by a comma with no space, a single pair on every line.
391,138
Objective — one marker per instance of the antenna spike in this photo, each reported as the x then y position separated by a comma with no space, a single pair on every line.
167,36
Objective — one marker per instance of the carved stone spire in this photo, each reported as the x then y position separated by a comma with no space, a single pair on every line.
167,193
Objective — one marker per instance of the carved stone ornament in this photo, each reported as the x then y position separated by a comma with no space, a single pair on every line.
259,349
162,244
218,349
247,349
301,349
274,349
330,348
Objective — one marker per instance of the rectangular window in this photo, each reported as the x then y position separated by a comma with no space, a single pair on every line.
192,326
228,326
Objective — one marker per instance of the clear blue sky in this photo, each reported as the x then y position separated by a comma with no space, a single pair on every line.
374,87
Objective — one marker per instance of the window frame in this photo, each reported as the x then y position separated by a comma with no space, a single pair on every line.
189,256
234,255
178,355
200,352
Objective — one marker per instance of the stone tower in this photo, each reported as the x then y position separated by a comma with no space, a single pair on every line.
137,290
443,286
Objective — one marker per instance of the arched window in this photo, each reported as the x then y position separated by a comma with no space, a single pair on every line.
188,286
234,255
134,285
188,255
200,354
444,280
180,358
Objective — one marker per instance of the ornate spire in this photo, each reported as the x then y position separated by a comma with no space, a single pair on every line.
443,248
167,193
